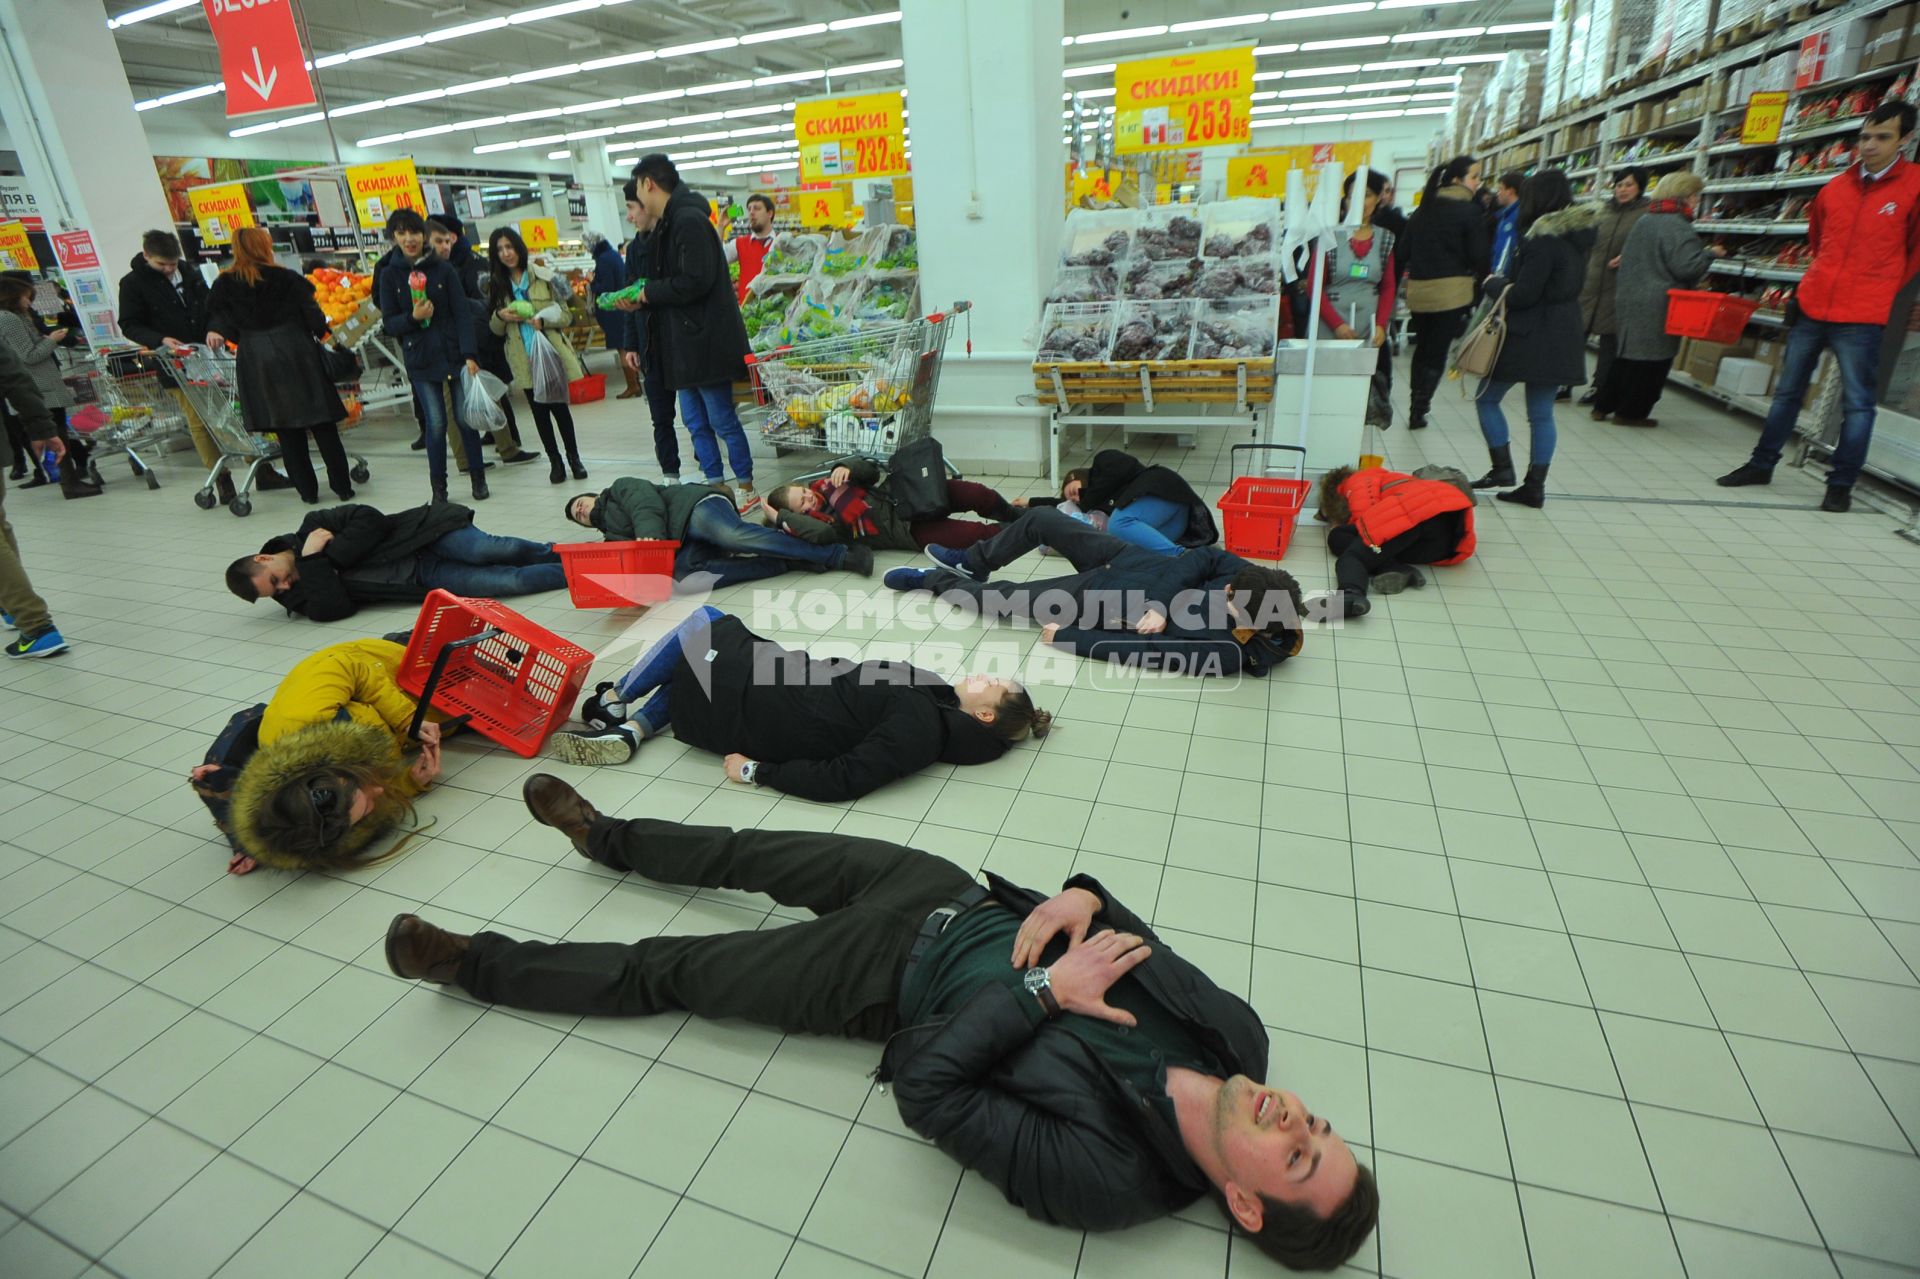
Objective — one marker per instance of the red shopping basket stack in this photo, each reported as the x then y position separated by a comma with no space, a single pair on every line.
1708,316
1259,513
515,681
617,574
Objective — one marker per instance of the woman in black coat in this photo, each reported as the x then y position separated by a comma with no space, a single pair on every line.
1447,246
1149,506
1546,345
821,730
269,312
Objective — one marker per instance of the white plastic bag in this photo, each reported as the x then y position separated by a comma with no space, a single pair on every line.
548,377
480,401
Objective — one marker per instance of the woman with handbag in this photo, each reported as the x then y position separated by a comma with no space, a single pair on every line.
527,301
1545,341
20,330
1662,252
1448,245
281,372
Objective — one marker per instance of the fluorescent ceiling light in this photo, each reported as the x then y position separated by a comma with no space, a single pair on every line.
740,113
380,140
544,73
1376,115
478,86
331,60
1432,97
1271,50
156,10
1301,73
1518,28
465,29
1321,11
1438,79
1451,33
390,46
1103,68
658,95
579,134
1428,110
1467,59
542,113
866,20
697,117
862,68
791,77
1208,24
424,95
358,107
182,95
1319,92
603,104
698,46
1096,93
1125,33
783,33
618,60
1406,64
1347,42
253,129
561,155
560,10
720,86
309,117
760,131
1417,4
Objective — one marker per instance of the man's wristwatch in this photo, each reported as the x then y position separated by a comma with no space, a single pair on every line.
749,771
1039,984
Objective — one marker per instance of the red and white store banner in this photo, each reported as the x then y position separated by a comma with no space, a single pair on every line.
260,55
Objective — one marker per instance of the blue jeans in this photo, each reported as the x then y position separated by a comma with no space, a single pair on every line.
470,562
431,397
708,409
1493,423
1856,349
653,673
715,522
1150,522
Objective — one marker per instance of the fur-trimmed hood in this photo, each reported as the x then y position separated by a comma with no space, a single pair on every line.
297,754
1584,216
280,297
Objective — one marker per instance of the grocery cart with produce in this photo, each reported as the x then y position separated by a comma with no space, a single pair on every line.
346,299
121,401
206,378
864,393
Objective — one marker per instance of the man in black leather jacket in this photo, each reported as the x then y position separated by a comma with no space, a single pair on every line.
1054,1045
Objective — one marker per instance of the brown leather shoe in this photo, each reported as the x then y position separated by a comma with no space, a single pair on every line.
420,952
554,803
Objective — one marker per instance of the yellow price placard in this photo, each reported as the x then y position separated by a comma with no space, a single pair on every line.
1264,172
15,251
220,211
1766,113
1174,104
859,137
821,208
540,233
379,189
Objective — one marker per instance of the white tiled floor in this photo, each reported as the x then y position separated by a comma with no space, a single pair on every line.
1580,889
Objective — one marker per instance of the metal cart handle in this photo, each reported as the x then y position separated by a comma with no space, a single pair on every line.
1299,462
433,681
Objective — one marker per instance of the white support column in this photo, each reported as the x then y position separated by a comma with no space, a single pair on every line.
69,112
595,174
984,85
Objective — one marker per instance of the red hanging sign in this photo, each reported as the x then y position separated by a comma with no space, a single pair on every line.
260,55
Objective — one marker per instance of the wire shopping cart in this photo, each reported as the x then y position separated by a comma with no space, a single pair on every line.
206,378
122,401
863,394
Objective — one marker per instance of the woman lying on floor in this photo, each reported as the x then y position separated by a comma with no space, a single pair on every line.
312,778
1385,523
1149,506
819,729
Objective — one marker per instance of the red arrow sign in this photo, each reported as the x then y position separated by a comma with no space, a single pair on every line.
260,55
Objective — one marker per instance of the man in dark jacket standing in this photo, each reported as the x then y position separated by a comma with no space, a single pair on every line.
20,605
694,320
434,352
1054,1045
451,247
345,556
640,359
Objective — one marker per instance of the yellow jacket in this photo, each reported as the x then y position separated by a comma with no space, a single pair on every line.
355,678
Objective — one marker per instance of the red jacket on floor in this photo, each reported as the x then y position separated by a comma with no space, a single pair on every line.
1865,236
1386,504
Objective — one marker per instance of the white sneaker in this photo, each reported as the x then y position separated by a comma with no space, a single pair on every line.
603,746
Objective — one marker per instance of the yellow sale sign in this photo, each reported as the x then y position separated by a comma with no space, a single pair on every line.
858,137
1174,104
220,211
821,208
1766,112
15,252
1264,173
379,189
540,233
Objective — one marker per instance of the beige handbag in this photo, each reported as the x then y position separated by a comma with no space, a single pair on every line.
1479,350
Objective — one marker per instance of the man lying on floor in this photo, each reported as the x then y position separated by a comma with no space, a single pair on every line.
1200,611
1054,1045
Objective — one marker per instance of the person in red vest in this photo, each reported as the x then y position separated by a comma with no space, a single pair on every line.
1864,229
1385,523
750,250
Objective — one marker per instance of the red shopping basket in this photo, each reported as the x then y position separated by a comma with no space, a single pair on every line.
587,389
1709,316
617,574
514,681
1259,513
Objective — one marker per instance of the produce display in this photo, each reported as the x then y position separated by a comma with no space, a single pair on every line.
1167,233
844,292
1098,237
843,255
1153,331
886,300
793,256
1085,284
904,258
1234,330
339,293
1076,332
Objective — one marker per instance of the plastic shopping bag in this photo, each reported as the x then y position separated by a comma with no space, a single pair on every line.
480,401
549,376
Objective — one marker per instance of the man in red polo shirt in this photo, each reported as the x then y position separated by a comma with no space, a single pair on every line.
1864,229
750,250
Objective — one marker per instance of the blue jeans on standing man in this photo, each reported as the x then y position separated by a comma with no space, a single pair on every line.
1151,523
470,562
1493,423
431,397
653,673
1856,349
709,409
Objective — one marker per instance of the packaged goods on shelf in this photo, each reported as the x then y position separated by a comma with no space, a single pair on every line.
1236,329
1630,27
1552,89
1735,13
1239,228
1579,23
1653,54
1599,48
1888,36
1161,330
1085,284
1833,54
1098,237
1520,104
1690,33
1168,232
792,256
1076,332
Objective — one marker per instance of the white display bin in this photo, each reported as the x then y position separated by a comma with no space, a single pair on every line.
1337,416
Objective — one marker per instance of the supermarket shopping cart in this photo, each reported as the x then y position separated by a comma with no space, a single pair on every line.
862,394
121,401
206,378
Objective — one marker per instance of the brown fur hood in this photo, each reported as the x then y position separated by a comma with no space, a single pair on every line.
297,755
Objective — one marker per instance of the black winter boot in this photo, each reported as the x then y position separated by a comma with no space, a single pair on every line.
1502,472
1532,491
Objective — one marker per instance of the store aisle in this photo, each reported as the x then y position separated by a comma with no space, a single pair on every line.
1580,890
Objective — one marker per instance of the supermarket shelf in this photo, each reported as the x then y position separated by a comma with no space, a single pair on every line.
1878,73
1729,148
1819,179
1685,156
1747,271
1772,319
1575,174
1749,403
1754,228
1849,125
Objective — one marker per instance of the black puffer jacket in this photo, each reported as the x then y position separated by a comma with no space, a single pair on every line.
1447,239
1117,478
282,382
151,311
1546,333
1028,1106
822,730
694,319
435,351
371,560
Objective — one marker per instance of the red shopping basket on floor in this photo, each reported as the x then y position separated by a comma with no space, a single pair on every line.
1709,316
1259,513
587,389
513,681
617,574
